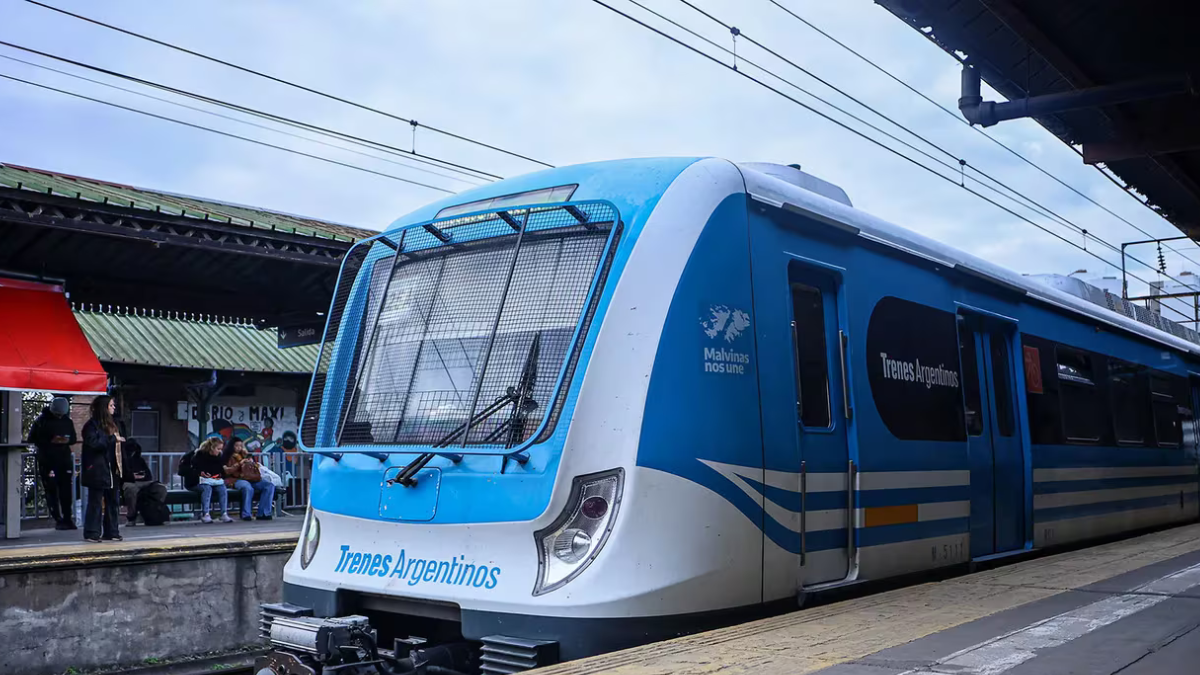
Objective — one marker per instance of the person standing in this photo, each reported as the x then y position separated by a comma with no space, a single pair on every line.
53,434
101,471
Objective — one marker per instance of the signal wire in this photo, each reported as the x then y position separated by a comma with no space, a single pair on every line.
877,142
238,120
1042,210
986,135
225,133
1036,206
375,145
958,162
288,83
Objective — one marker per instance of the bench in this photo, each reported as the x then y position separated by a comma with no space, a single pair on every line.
191,497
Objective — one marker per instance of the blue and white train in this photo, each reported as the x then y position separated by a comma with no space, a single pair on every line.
600,405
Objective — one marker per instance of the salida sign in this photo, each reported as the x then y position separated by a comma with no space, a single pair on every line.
295,336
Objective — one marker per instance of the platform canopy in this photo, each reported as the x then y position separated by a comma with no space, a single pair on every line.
131,247
1033,48
41,345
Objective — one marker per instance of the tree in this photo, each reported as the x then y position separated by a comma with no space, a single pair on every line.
32,404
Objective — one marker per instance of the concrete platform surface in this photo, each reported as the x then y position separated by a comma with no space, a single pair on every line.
163,593
1129,607
40,549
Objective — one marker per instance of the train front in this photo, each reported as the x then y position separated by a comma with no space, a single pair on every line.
464,475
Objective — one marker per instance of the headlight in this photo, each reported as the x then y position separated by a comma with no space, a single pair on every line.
310,537
573,540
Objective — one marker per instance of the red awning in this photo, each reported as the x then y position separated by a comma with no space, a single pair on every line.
42,347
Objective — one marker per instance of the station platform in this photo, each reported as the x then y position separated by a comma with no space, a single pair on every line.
163,593
49,548
1131,606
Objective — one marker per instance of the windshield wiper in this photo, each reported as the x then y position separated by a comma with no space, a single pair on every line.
520,397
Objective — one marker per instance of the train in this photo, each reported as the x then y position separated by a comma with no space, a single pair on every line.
601,405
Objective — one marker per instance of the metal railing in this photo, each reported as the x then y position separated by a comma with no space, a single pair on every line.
294,467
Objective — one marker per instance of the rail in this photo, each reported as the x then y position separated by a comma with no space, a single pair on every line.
294,467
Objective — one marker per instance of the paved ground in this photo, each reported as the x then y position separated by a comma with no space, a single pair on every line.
140,533
39,550
1130,607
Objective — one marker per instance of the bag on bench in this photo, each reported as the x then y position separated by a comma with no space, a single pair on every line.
152,504
188,472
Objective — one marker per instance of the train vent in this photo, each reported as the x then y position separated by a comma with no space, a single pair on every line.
1115,303
791,173
267,613
503,655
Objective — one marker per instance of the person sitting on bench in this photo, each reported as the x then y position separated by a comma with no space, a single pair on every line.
242,474
135,475
207,463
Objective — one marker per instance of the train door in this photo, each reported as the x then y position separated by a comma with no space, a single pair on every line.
995,449
1191,423
822,415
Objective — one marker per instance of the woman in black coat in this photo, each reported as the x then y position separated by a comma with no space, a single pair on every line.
100,473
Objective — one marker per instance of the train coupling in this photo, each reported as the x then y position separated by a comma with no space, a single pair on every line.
302,644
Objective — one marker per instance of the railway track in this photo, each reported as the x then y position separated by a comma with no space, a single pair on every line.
240,663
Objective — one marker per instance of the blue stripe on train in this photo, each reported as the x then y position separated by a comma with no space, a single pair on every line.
825,540
905,496
816,501
819,540
1061,486
891,534
1102,508
819,501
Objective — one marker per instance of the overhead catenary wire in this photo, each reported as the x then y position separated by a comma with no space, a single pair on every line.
859,133
1035,205
289,83
237,120
226,134
983,133
957,162
411,155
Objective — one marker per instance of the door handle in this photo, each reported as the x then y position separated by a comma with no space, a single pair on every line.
851,475
803,512
796,367
842,343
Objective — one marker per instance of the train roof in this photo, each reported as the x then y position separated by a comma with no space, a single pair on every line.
776,189
635,184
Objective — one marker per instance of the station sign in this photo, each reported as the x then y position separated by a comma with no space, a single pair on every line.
304,334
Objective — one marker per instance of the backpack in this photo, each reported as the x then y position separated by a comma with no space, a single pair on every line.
152,504
191,477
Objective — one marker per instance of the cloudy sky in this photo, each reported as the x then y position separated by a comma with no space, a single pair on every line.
563,81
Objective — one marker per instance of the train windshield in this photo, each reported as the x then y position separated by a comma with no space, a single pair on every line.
467,342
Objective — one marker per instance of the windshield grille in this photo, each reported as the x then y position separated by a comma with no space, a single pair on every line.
483,327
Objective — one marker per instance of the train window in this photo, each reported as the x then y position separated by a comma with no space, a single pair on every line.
1082,414
1041,391
1168,427
970,371
1126,382
1001,374
812,365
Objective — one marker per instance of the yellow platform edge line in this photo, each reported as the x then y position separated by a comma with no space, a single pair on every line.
808,640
